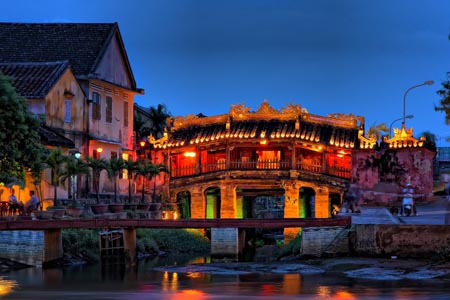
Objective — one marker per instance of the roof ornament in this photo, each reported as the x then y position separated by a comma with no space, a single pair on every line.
158,142
403,138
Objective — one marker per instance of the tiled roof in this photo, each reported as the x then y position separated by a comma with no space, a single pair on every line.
266,129
34,80
50,137
80,43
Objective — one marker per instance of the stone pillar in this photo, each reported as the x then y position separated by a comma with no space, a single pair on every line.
228,202
198,205
52,245
291,210
322,202
129,245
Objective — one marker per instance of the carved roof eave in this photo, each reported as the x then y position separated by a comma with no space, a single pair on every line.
403,138
266,112
366,142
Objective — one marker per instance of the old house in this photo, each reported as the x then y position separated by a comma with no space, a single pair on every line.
48,87
98,60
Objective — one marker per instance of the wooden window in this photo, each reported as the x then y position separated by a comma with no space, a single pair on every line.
67,110
108,109
125,114
96,106
113,154
96,154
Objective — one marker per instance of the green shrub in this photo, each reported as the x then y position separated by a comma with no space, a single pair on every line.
175,240
80,241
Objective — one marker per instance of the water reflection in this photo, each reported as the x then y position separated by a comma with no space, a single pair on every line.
6,286
141,282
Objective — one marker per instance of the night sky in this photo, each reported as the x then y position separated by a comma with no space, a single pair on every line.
329,56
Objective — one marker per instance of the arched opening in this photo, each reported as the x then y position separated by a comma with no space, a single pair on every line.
213,202
335,202
307,202
184,204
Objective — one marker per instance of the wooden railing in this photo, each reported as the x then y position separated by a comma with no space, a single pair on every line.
258,165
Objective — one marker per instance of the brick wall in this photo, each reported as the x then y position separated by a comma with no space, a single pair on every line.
26,246
316,240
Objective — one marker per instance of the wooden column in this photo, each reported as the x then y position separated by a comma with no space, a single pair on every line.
129,245
228,202
322,203
198,204
291,210
52,245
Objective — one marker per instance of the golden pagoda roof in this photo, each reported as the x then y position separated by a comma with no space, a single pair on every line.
291,122
403,138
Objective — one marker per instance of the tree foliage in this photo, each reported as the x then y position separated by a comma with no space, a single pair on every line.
444,103
19,135
377,130
158,117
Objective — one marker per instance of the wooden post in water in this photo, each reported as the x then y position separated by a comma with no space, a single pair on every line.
129,244
52,245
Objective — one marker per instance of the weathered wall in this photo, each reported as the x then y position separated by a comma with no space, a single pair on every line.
26,247
402,240
380,176
317,240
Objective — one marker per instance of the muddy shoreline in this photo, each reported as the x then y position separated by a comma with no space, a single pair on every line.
352,267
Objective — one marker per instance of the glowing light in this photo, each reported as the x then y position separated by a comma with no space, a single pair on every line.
142,143
340,155
125,156
99,149
6,286
263,142
189,154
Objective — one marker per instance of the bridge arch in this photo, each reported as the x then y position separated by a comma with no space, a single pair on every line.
184,204
213,202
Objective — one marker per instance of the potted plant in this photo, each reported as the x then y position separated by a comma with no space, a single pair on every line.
131,167
58,211
73,168
115,165
147,170
97,166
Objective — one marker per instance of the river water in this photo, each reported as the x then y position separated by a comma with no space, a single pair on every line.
115,281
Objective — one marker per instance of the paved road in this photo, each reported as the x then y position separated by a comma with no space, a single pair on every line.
436,212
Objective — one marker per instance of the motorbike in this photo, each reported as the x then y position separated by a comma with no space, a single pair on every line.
407,209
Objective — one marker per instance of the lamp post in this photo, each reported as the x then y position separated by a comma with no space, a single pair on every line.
390,127
428,82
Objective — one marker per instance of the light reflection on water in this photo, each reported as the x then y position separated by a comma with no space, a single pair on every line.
104,282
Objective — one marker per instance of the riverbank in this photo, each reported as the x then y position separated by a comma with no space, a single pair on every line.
353,267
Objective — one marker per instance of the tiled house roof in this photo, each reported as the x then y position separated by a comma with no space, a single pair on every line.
271,130
82,44
52,138
34,80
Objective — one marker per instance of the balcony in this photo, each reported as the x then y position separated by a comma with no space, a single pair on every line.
261,165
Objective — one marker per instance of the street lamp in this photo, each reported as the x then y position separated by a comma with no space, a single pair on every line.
428,82
390,127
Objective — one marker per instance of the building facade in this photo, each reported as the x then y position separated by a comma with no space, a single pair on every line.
93,104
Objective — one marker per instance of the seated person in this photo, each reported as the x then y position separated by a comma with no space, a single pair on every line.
32,204
14,204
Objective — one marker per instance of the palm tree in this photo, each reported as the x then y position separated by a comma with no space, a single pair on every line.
430,139
148,170
158,116
140,126
74,167
55,161
377,130
131,167
97,165
115,165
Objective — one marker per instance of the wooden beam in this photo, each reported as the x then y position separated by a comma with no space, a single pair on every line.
182,223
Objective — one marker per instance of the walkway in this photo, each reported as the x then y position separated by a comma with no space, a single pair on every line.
436,212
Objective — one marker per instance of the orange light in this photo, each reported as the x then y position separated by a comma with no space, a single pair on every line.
142,143
189,154
263,142
99,149
125,156
340,155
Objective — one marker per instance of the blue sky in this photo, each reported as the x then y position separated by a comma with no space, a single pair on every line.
329,56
